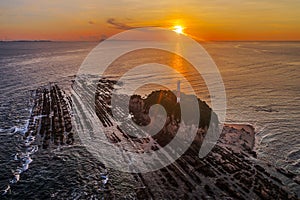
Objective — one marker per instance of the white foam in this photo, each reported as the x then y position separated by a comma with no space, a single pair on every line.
16,157
15,179
6,190
29,140
28,161
38,117
104,177
25,167
104,180
23,157
31,150
18,130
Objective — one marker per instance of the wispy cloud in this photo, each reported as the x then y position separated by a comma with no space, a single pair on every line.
119,25
91,22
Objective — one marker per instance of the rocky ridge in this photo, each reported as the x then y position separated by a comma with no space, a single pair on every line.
229,171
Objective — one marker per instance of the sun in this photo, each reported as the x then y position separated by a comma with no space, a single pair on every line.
178,29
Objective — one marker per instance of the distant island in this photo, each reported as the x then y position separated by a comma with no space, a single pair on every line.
26,41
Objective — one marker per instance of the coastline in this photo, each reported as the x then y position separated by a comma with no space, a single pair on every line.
230,170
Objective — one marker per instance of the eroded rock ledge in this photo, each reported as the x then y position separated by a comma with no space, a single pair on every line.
230,170
50,121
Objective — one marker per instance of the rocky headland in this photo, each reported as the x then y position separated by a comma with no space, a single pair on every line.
230,171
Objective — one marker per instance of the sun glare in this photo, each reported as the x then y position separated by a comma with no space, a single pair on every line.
178,29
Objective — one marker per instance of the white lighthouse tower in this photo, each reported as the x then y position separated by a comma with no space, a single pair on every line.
178,91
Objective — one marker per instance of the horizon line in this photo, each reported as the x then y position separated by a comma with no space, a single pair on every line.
47,40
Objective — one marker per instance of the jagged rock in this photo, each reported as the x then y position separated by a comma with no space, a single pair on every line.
50,119
228,171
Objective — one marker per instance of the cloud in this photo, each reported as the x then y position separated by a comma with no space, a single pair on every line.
91,22
119,25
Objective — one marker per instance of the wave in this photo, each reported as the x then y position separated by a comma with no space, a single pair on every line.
25,155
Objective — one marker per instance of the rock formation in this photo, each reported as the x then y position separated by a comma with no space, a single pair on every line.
229,171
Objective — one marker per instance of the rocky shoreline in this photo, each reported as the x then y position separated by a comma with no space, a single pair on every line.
229,171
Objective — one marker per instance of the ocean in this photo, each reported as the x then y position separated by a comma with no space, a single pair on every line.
261,81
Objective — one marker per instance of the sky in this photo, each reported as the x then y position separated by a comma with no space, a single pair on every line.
92,20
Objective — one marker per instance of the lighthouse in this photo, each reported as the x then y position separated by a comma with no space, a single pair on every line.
178,91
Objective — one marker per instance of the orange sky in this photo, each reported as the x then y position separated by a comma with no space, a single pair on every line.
96,19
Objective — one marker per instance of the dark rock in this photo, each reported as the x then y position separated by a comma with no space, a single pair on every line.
223,173
50,117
